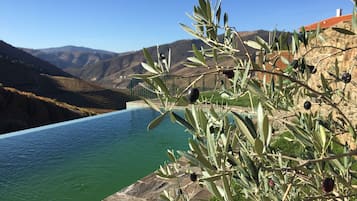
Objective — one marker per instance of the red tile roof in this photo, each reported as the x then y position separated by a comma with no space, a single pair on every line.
324,24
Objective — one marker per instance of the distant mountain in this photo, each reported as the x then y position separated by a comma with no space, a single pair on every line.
25,72
71,48
71,56
112,72
109,72
10,53
22,110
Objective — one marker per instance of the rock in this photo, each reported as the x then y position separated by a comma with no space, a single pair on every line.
152,186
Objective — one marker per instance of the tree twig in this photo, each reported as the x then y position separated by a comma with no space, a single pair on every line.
289,187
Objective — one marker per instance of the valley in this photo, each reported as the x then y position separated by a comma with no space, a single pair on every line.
28,74
95,81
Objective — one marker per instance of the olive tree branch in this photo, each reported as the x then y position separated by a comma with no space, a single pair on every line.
184,91
335,53
326,46
307,162
289,187
322,95
241,41
330,196
352,153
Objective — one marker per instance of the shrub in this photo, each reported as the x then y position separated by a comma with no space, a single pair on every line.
249,157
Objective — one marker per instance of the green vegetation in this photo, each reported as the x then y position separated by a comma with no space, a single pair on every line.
215,97
292,149
285,145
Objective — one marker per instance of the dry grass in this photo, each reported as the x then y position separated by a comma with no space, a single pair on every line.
84,111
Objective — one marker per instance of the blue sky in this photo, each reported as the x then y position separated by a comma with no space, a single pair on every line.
125,25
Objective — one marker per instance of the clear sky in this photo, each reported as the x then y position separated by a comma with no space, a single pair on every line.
125,25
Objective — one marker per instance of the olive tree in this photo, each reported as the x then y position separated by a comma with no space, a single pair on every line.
283,150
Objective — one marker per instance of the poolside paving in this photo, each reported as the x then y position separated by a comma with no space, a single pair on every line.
152,186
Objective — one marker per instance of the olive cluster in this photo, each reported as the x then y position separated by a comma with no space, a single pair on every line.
301,66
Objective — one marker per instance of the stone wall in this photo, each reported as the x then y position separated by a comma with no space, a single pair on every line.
343,48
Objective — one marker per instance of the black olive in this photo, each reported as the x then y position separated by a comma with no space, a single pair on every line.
302,66
193,95
324,124
229,73
193,177
294,63
346,77
232,162
162,56
327,185
179,191
312,69
211,129
307,105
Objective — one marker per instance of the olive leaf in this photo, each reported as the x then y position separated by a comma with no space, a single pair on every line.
343,31
171,155
323,136
182,121
200,156
258,146
149,68
149,60
253,44
263,43
263,124
196,61
243,128
156,121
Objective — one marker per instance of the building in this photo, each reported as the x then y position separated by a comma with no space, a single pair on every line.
330,22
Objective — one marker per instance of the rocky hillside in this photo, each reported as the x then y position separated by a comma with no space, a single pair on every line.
113,72
18,71
15,55
71,56
110,72
21,110
41,93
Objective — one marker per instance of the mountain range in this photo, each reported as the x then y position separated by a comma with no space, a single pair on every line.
112,70
26,74
15,55
70,56
57,84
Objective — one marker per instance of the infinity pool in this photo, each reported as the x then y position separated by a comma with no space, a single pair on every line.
86,159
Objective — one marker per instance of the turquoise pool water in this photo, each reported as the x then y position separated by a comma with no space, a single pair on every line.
86,159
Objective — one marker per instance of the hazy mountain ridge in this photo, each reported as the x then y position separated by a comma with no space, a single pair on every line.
71,56
72,48
109,72
112,72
